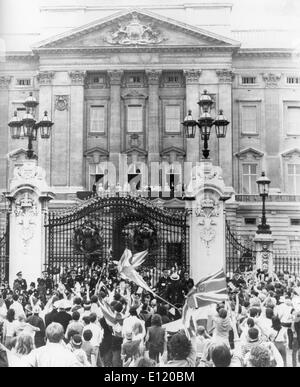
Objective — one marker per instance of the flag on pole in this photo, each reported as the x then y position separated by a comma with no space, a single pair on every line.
210,289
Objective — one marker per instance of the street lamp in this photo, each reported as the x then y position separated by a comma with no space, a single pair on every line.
28,126
263,188
205,123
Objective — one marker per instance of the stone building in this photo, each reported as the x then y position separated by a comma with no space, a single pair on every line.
119,79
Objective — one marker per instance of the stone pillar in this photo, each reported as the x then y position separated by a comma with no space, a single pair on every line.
205,204
153,130
115,116
45,99
29,196
4,132
76,135
225,103
264,252
192,99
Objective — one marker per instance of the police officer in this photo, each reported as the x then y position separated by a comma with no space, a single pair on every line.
20,283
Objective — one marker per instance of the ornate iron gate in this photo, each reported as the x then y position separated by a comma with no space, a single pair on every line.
101,228
239,257
4,253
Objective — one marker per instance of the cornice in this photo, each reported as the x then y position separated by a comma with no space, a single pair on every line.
265,53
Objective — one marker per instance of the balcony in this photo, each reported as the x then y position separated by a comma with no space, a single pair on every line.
271,198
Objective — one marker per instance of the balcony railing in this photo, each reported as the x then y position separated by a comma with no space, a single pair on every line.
271,198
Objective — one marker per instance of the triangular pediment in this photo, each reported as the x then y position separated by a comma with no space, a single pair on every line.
135,28
291,153
138,151
97,150
249,152
173,149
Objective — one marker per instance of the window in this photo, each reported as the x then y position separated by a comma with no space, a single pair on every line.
24,82
295,245
172,79
293,120
172,119
97,119
249,179
250,221
135,122
134,79
293,80
295,222
249,119
98,80
96,177
248,80
293,179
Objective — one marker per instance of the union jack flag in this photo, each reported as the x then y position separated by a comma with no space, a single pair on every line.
211,289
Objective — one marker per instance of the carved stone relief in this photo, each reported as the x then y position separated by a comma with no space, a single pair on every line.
26,214
135,33
207,211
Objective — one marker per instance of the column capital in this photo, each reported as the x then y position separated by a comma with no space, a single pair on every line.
153,76
115,77
5,82
45,77
77,77
225,75
192,76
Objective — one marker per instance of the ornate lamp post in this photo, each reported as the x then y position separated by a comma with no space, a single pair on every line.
205,123
28,126
263,187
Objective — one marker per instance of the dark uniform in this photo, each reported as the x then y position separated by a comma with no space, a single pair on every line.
162,286
20,284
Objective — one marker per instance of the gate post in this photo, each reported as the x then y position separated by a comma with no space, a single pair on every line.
29,196
205,199
264,252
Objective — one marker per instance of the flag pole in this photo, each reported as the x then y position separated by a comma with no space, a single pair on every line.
167,302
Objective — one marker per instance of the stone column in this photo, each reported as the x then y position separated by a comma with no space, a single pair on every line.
4,132
206,194
76,127
264,252
45,99
192,99
115,116
153,129
225,103
29,196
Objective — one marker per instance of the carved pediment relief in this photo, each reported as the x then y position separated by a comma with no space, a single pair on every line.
134,94
140,152
19,155
97,155
135,28
249,153
292,153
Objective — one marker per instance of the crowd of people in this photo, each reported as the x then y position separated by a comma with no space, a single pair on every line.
105,321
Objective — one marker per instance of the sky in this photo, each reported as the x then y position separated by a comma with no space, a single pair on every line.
280,14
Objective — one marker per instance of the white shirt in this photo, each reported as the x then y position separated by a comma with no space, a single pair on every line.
97,334
53,356
3,312
18,308
283,311
131,323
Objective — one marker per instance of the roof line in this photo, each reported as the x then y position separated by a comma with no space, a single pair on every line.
117,15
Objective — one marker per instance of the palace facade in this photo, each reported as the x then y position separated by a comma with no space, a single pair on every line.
120,81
